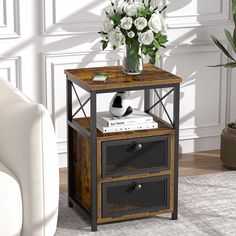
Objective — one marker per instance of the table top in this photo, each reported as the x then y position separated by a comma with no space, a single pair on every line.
151,76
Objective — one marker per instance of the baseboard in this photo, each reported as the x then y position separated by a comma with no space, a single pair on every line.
62,160
200,144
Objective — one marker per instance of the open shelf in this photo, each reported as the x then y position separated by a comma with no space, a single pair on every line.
163,128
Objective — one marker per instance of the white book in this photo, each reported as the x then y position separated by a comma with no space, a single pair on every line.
131,127
136,117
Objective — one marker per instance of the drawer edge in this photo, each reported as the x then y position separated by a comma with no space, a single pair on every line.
133,216
130,177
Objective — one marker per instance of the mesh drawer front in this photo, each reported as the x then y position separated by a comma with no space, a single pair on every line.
135,196
135,156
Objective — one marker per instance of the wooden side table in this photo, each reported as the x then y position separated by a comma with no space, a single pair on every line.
125,175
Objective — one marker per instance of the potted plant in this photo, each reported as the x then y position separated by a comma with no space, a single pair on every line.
228,136
140,27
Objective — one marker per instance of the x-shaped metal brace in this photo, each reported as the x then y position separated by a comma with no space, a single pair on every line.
156,103
161,101
81,105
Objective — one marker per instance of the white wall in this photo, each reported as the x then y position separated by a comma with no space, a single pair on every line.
39,39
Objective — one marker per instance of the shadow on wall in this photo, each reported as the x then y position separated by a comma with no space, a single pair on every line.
67,42
197,107
190,76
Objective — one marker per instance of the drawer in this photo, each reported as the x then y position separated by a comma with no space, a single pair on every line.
134,156
135,196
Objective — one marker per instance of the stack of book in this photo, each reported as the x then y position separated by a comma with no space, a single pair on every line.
138,120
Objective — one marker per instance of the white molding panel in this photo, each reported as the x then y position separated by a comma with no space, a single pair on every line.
203,91
74,17
55,85
10,69
9,19
70,40
187,13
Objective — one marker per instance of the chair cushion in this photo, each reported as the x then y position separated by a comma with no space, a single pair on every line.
28,149
10,203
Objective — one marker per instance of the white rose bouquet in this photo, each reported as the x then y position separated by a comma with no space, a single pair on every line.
137,24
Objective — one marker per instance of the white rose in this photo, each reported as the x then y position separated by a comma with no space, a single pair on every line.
155,22
140,23
126,23
116,38
131,34
146,38
151,8
121,7
131,9
107,26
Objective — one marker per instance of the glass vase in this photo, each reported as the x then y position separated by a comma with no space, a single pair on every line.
132,63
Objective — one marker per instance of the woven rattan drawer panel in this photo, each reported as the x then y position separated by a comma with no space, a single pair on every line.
134,156
135,196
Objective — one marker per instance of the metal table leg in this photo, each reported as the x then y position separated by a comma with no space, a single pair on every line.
176,162
69,138
146,99
93,139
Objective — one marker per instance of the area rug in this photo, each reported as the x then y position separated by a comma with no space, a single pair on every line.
207,206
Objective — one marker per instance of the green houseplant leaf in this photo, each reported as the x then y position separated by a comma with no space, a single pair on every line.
221,47
230,39
227,65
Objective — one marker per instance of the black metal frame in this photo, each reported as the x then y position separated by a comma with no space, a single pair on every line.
92,134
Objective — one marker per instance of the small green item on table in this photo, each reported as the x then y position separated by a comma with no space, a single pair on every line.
100,77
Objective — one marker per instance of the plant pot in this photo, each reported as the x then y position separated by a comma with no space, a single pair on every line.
228,147
132,61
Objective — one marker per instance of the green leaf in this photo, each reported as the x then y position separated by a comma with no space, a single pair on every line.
104,44
144,50
143,11
230,65
230,39
162,39
152,55
156,44
221,47
116,17
227,65
152,60
158,58
149,51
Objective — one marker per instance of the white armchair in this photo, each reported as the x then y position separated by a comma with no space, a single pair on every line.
29,174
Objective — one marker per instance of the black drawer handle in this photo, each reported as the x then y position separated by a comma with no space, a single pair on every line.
137,187
138,146
134,187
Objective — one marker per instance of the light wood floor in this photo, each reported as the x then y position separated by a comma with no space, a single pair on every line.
197,163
